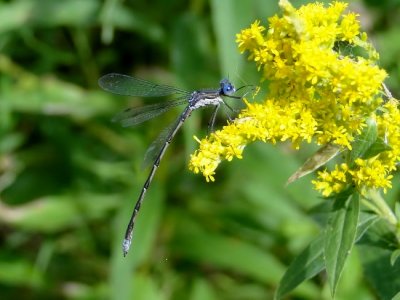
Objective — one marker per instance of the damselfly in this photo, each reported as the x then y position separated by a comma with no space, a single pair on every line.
131,86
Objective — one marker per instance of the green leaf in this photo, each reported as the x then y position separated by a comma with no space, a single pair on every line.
382,276
144,237
243,257
308,264
20,272
397,297
379,146
366,220
190,39
397,209
146,287
115,15
55,213
311,261
228,20
395,255
202,290
14,15
364,141
340,236
231,254
321,157
49,214
58,13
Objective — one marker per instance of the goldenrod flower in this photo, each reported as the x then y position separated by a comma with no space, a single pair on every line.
318,91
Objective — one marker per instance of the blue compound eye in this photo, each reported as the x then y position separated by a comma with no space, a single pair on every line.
227,87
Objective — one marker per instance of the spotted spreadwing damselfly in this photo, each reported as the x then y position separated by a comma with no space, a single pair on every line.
132,86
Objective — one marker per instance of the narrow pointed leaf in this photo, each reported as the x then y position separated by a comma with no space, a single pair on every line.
321,157
311,261
379,146
340,237
308,264
395,255
397,297
364,141
383,278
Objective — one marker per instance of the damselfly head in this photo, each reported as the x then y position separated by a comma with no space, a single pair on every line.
227,88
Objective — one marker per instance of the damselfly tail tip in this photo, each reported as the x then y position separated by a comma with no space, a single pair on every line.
125,246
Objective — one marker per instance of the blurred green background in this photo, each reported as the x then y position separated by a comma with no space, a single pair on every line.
69,177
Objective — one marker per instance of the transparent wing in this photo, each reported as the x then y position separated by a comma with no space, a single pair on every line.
155,147
131,86
137,115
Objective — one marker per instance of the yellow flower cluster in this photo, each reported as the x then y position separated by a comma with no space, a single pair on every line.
334,181
318,90
374,172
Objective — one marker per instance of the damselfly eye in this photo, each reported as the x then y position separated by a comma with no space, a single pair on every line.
227,87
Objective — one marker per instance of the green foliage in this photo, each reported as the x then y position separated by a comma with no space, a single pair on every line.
69,177
340,236
311,261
